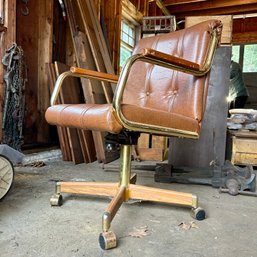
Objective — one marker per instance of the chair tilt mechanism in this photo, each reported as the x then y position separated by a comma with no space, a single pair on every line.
161,90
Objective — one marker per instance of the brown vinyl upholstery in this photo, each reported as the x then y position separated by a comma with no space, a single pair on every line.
162,90
85,116
153,94
156,88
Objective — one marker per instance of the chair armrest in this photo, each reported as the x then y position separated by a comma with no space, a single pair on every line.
84,73
148,52
94,74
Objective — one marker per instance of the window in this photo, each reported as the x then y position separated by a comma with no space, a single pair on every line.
246,56
128,37
250,58
236,53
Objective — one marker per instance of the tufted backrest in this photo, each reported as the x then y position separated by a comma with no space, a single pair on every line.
159,88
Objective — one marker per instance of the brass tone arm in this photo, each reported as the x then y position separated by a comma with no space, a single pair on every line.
80,73
148,52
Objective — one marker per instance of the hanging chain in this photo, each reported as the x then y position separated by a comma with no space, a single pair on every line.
25,8
15,79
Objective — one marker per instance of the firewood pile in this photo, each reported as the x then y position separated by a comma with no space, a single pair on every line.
242,119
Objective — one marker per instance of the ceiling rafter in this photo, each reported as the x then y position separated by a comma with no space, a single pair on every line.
161,6
207,5
176,2
234,10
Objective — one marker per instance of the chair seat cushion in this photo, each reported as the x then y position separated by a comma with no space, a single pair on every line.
99,117
160,118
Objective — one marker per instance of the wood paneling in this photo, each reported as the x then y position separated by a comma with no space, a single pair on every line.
227,21
247,37
34,34
45,39
244,30
245,25
112,18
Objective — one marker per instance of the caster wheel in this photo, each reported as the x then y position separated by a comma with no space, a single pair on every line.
107,240
198,213
6,175
56,200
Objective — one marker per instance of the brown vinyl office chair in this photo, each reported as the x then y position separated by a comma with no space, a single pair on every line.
161,90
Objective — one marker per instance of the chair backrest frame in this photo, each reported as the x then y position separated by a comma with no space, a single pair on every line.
207,34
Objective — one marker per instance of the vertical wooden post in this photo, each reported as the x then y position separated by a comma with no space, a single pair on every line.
112,17
45,28
6,39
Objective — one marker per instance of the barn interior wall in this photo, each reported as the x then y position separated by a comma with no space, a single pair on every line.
44,36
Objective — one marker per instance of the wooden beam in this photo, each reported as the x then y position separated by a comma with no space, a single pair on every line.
45,39
82,27
244,25
129,11
62,132
92,90
245,37
176,2
162,7
6,39
144,7
69,94
209,5
112,18
97,44
244,9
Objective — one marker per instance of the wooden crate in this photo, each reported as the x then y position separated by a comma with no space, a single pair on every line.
244,148
227,20
152,148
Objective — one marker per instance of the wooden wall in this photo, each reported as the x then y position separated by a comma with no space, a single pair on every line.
34,35
37,33
7,37
244,30
111,11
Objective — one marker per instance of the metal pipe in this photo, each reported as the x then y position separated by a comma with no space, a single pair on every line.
125,170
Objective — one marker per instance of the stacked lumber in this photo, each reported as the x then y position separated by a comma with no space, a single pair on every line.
91,52
242,119
76,145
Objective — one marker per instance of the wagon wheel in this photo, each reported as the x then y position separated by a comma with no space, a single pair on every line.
6,175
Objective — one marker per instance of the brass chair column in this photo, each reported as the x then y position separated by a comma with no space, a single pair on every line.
107,238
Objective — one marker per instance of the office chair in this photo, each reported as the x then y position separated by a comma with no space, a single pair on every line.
161,90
